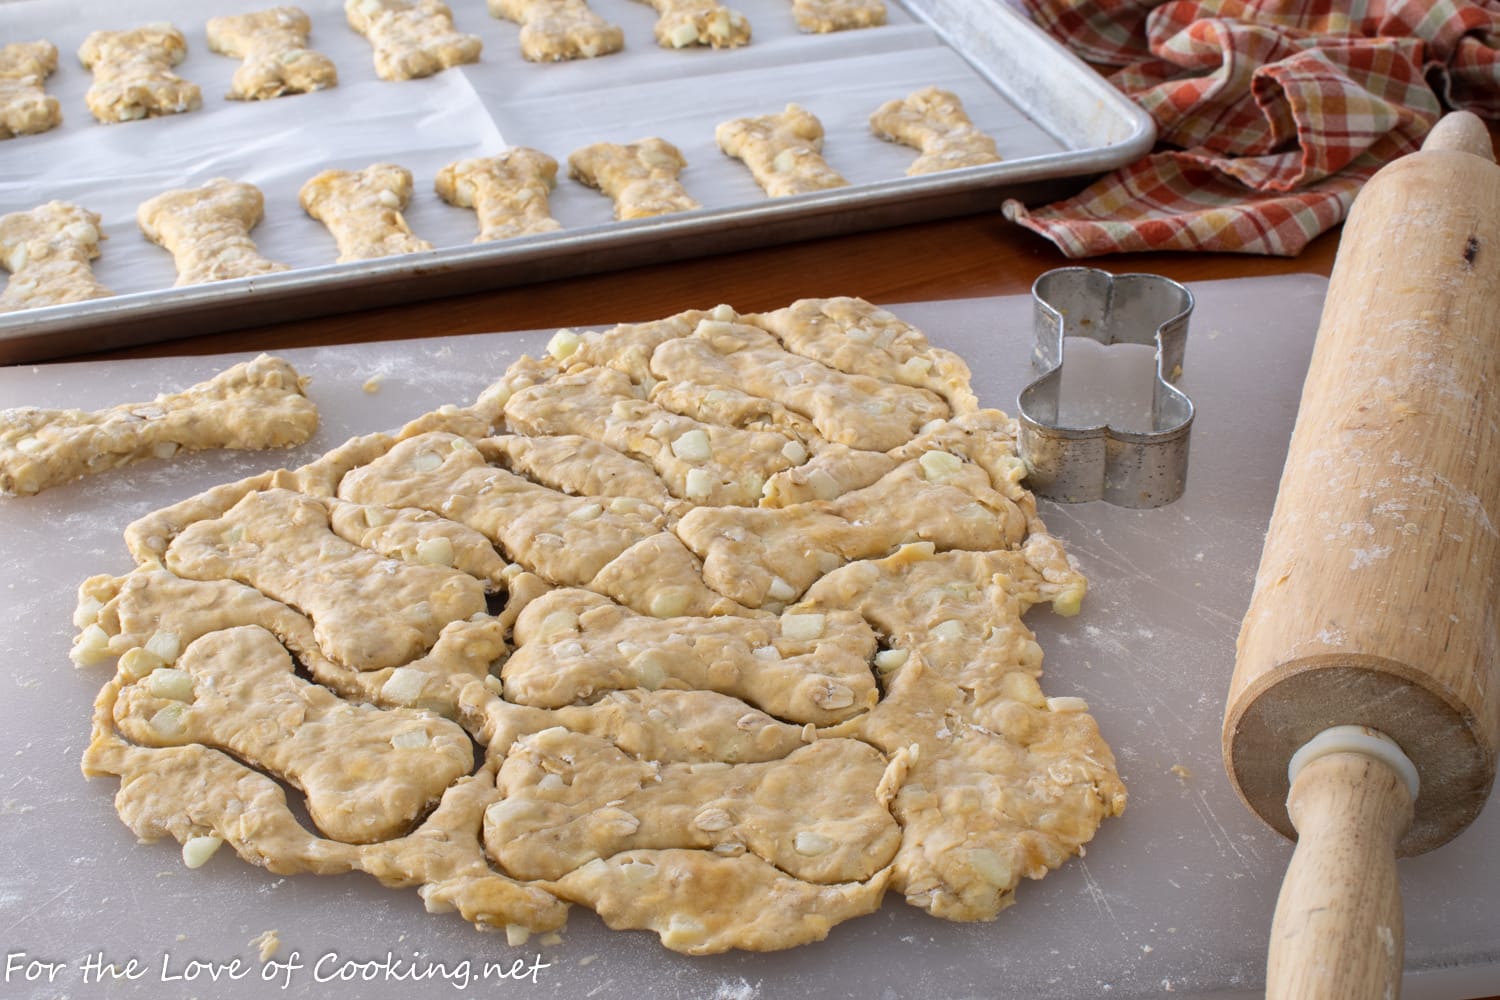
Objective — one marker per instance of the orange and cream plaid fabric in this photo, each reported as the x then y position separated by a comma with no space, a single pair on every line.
1270,113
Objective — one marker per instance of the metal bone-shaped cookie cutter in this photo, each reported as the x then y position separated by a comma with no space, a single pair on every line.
1125,468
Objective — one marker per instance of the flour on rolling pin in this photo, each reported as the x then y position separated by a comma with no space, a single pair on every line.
1370,654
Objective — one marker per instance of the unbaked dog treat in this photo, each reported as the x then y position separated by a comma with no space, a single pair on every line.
47,252
207,230
507,191
253,405
362,209
133,75
685,23
273,45
731,723
933,120
783,151
822,16
25,108
411,38
555,30
641,177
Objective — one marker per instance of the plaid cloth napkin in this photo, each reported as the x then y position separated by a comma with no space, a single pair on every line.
1270,113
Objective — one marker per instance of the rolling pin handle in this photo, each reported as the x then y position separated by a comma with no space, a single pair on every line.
1463,131
1338,933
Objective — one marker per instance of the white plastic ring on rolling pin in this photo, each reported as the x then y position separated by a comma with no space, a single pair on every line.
1356,739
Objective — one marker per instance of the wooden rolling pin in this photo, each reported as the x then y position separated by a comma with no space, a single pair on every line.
1376,609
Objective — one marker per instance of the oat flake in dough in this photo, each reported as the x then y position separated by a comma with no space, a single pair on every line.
737,662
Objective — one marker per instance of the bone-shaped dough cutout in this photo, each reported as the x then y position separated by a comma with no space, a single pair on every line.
146,617
148,614
133,75
207,230
933,121
730,406
362,210
783,151
420,536
568,799
685,23
611,543
664,725
273,46
700,903
860,338
368,611
640,177
756,555
25,107
47,252
658,576
627,348
147,536
557,30
565,539
508,192
368,773
252,405
411,38
573,644
855,410
704,463
194,791
581,466
822,16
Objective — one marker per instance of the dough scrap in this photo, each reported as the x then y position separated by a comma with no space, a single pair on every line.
783,151
273,46
734,714
558,30
133,75
253,405
25,107
686,23
47,251
640,176
411,38
508,191
702,903
362,209
822,16
207,230
933,121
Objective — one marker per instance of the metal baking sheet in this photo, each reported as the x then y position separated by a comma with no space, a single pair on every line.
1173,898
1055,120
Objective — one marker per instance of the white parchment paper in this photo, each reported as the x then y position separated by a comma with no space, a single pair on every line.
503,100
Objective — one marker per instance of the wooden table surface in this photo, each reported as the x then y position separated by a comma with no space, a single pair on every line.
948,259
